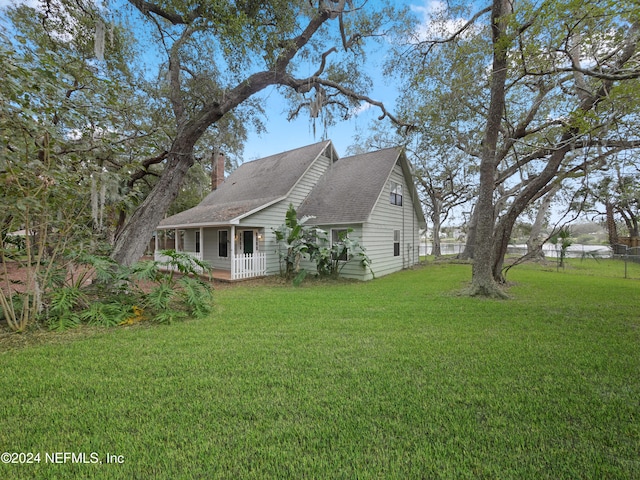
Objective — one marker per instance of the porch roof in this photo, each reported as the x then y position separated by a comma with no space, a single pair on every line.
214,215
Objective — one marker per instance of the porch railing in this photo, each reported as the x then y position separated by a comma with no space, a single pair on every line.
249,265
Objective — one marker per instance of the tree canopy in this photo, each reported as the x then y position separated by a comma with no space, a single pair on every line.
536,94
506,100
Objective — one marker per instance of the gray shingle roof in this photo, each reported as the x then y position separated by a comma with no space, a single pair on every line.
251,186
349,191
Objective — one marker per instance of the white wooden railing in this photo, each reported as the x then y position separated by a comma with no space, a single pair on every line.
249,265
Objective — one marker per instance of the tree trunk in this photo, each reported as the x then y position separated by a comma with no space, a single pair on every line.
630,220
436,250
134,237
467,253
534,242
520,203
612,229
482,282
588,103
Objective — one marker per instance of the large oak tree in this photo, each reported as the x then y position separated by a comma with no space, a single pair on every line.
219,55
555,96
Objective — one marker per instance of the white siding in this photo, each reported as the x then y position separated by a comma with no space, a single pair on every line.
385,218
353,268
211,250
274,216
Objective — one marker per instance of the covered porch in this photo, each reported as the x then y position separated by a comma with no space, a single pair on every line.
235,252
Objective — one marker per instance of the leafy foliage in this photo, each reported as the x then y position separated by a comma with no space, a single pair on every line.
63,309
563,240
293,241
105,314
559,102
297,241
104,293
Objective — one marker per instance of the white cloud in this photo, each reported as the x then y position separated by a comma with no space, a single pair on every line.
363,107
9,3
436,21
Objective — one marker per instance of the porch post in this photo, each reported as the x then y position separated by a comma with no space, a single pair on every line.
233,252
157,245
176,245
201,243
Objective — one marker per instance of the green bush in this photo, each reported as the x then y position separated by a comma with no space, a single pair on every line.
297,241
103,293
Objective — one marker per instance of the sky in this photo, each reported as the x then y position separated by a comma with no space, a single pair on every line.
282,135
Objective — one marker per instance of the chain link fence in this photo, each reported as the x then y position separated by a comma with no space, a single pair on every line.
631,258
625,259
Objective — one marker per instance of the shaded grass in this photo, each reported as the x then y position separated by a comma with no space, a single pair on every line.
395,378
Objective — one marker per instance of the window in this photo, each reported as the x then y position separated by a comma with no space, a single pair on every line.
396,194
337,236
396,243
223,243
198,242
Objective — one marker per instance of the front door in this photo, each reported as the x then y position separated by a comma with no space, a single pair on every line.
247,241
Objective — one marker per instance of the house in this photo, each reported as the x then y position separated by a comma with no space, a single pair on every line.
373,194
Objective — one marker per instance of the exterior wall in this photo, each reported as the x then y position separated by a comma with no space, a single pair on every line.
189,244
351,269
209,243
274,216
211,252
378,233
208,246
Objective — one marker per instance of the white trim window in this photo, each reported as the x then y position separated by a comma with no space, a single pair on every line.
396,243
396,194
223,243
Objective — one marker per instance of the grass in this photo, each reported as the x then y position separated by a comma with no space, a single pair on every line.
395,378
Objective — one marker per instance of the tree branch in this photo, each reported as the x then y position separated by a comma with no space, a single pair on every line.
147,7
144,170
432,43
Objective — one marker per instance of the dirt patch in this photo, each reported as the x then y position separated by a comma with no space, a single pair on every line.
41,335
14,276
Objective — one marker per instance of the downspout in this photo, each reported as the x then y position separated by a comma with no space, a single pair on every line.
403,237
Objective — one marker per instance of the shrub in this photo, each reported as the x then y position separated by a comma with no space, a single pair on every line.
297,241
103,293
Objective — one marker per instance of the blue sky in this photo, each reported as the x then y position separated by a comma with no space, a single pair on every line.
283,135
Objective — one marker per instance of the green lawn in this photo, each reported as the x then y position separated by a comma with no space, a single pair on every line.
394,378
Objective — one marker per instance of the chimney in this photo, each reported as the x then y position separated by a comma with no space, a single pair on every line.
217,170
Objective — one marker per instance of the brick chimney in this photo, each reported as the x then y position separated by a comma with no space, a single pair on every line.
217,170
